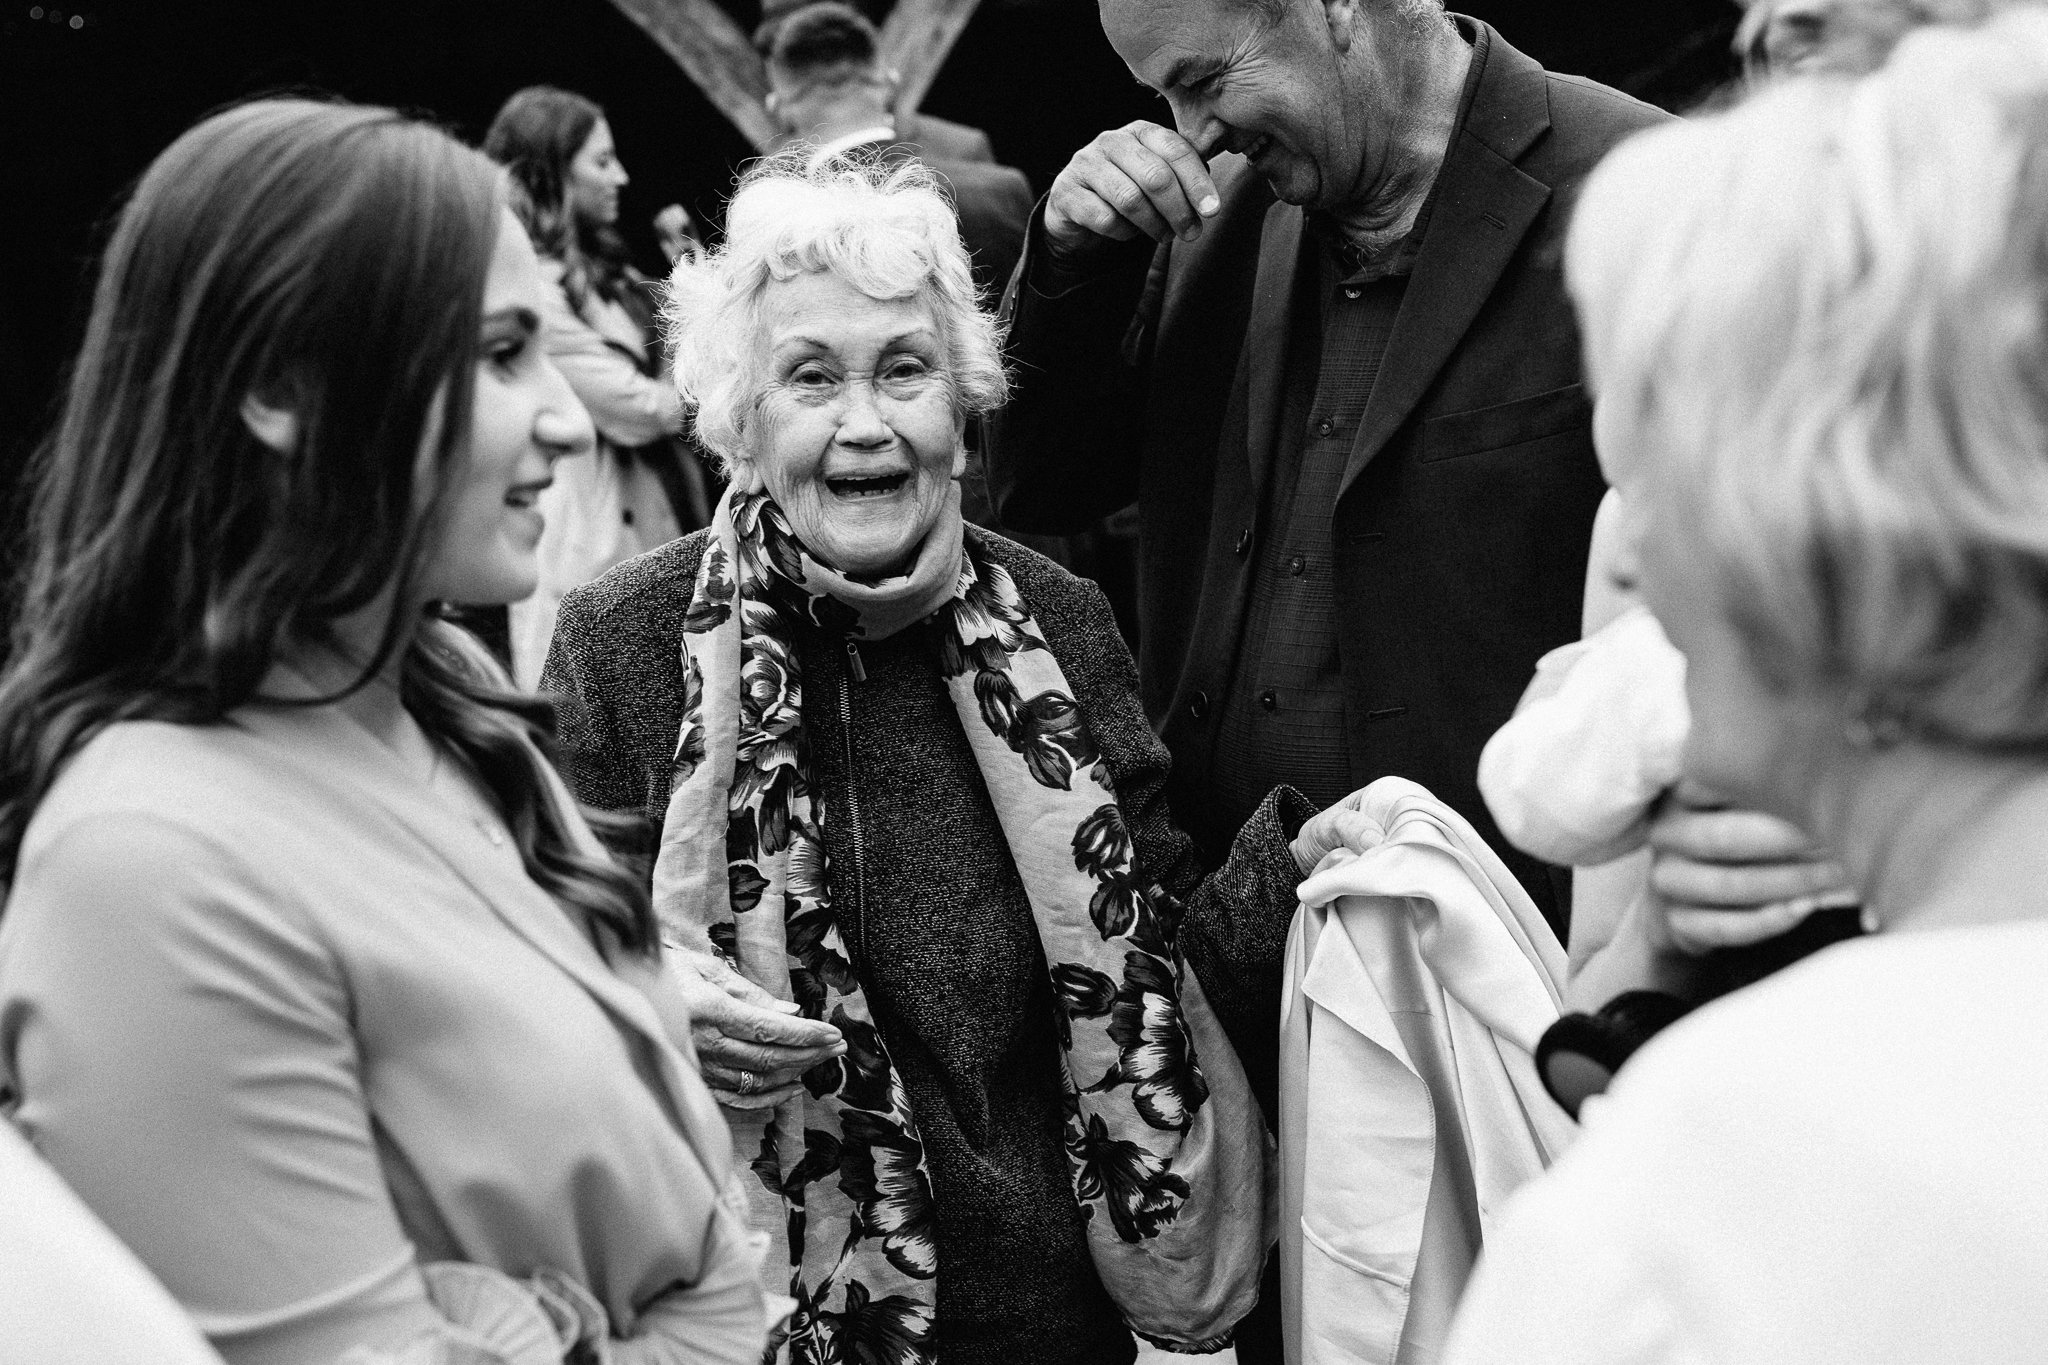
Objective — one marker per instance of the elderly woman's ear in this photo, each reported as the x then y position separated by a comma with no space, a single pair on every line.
743,474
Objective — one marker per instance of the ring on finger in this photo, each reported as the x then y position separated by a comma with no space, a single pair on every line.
748,1082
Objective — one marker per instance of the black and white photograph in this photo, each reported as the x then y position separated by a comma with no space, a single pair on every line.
1023,682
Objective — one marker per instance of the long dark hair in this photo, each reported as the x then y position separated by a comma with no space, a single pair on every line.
535,136
328,259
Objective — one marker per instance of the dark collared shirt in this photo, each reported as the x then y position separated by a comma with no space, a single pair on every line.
1283,715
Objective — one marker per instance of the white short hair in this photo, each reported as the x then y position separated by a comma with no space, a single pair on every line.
1819,315
887,229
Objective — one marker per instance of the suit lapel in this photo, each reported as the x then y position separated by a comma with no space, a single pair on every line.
1265,348
1484,206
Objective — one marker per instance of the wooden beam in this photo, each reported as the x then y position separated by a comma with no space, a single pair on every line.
917,37
710,48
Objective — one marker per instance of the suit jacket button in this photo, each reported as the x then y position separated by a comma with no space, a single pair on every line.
1270,699
1244,541
1198,705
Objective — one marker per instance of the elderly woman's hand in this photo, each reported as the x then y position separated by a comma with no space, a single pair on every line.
1339,825
1728,878
752,1047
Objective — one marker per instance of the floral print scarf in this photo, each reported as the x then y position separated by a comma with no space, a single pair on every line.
1165,1144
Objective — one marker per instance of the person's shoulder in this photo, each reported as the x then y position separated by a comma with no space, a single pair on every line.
1580,102
1807,1045
199,787
1005,181
942,137
1039,580
985,185
653,584
1071,611
140,764
1588,119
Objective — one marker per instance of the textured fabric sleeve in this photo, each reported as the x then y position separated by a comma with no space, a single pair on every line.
1234,931
1064,451
629,408
592,756
182,1046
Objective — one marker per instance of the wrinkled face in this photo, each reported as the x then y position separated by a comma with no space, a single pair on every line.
858,439
595,178
1271,86
524,418
1754,741
1851,37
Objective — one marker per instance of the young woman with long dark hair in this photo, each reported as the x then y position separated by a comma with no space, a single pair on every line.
566,170
314,983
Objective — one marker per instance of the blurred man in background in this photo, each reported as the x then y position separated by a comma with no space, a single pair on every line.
827,86
941,138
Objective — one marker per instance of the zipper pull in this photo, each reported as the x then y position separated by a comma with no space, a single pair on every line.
853,663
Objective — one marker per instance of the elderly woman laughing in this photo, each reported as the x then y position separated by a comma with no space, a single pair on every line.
912,831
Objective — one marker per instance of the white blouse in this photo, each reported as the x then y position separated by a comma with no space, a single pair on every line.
1842,1165
294,1028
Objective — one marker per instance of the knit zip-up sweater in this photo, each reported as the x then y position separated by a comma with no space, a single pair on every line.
934,913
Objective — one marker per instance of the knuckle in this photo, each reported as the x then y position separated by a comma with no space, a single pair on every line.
750,1057
1100,219
1156,176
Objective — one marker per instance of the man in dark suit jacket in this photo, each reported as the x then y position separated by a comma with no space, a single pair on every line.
827,87
1344,389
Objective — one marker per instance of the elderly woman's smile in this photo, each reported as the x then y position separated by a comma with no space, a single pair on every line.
859,437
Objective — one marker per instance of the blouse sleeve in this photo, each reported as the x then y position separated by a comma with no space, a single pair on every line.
1235,921
179,1042
628,407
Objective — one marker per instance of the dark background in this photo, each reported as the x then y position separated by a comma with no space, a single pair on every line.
90,90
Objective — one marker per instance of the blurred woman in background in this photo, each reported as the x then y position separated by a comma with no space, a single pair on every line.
314,984
644,487
1828,348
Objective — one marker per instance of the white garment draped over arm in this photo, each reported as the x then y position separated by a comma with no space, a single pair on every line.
1418,980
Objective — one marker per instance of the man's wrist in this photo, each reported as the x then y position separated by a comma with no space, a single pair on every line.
1055,268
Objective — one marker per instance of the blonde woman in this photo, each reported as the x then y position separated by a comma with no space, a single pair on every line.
1828,343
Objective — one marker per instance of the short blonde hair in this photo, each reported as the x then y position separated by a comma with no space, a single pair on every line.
1820,315
887,229
1756,21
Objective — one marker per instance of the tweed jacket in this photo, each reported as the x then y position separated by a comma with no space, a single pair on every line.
939,926
1460,530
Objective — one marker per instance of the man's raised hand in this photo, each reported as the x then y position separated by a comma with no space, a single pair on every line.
1140,179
